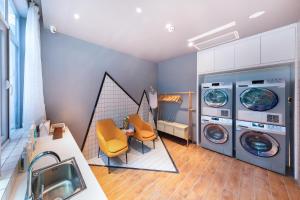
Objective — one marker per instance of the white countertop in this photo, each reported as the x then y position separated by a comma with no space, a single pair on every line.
65,147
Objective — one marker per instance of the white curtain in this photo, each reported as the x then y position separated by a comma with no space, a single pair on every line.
33,102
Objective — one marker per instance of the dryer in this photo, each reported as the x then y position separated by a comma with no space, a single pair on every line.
216,134
263,145
216,99
261,101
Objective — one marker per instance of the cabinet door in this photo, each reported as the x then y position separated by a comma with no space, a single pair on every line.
247,52
205,61
224,57
278,45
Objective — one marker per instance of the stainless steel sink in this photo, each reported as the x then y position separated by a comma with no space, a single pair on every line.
57,182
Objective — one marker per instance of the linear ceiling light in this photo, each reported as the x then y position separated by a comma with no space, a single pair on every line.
257,14
213,31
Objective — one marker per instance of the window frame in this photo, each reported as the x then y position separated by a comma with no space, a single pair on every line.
14,38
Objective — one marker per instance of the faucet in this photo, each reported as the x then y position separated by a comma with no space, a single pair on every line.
29,195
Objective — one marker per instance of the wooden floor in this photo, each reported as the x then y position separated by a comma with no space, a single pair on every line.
203,174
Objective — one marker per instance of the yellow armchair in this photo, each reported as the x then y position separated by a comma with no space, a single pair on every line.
143,130
112,141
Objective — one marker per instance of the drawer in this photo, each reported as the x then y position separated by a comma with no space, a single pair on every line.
160,126
180,132
169,129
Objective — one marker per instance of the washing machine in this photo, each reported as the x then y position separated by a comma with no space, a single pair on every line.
261,101
216,134
216,99
263,145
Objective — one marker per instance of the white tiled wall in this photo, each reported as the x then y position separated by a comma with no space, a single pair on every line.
145,111
113,103
144,108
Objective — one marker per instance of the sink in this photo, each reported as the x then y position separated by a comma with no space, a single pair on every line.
57,182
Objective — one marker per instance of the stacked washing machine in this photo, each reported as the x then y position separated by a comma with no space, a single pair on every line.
216,117
260,137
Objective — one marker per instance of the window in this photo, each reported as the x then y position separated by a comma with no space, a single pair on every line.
13,21
4,93
9,47
12,18
2,8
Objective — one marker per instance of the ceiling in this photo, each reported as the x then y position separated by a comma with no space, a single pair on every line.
116,24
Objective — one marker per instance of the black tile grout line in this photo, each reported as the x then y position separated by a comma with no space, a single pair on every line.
156,170
141,100
97,100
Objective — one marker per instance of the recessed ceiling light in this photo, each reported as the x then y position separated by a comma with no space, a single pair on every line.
52,29
76,16
213,31
190,44
257,14
170,27
138,10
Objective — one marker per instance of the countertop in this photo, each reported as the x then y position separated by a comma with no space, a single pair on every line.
65,147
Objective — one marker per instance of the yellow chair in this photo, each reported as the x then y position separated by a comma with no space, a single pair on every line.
112,141
143,130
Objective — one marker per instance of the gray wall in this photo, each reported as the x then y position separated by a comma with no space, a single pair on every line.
72,73
178,75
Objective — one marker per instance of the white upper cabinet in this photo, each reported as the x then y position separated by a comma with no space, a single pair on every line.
278,45
269,48
205,61
224,57
247,52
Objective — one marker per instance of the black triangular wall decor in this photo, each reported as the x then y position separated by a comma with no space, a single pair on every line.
112,102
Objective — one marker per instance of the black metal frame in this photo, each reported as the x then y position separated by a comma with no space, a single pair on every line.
139,105
118,167
108,161
143,145
97,100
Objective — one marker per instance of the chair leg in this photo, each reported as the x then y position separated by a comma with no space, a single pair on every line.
143,147
153,144
126,158
99,153
108,164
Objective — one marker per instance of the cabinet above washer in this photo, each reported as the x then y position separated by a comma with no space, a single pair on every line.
269,48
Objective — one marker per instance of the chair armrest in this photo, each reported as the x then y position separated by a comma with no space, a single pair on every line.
101,142
148,127
120,135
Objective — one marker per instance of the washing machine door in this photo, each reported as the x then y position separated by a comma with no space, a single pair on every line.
216,133
259,144
259,99
215,98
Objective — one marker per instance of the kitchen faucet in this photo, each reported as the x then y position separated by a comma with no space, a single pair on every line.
29,195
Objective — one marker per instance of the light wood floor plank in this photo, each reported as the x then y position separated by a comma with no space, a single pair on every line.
203,175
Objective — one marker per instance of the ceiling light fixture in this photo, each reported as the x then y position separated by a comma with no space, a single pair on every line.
76,16
138,10
213,31
52,29
257,14
170,27
190,44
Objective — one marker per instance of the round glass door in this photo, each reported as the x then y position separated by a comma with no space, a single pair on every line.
215,98
259,99
259,144
216,133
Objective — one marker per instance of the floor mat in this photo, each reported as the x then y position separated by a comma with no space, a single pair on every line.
157,159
